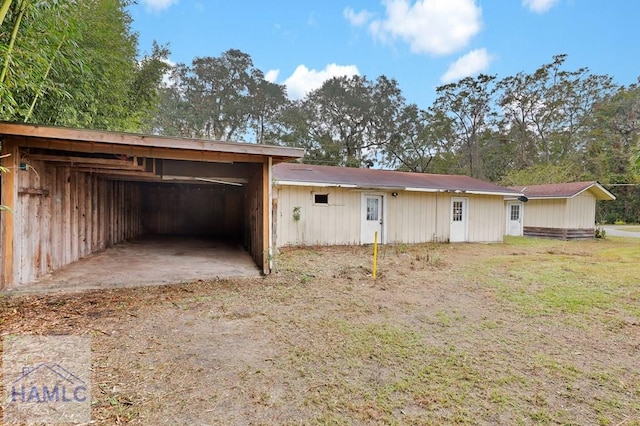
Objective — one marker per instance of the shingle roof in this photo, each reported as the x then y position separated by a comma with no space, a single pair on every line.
305,174
565,190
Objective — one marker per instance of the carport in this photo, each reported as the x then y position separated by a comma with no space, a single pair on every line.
75,192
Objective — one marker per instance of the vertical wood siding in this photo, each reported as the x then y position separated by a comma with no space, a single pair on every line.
62,215
253,218
411,217
204,210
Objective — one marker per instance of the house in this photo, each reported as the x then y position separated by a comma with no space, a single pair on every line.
325,205
562,210
74,192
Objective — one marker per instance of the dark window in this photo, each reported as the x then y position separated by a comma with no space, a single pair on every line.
321,198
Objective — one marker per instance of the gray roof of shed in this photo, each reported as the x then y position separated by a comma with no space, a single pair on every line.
313,175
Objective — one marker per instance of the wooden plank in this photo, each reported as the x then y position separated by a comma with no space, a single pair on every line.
33,191
137,151
73,224
66,218
56,217
265,205
85,161
96,137
9,198
102,213
94,214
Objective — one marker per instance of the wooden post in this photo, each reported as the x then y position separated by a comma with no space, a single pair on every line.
9,199
266,204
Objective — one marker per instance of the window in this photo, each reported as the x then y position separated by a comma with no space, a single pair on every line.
457,211
372,208
321,198
515,212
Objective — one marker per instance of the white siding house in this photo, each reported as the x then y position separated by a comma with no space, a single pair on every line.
564,210
323,205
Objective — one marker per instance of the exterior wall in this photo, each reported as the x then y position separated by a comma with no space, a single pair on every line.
418,217
61,215
581,211
336,223
545,213
255,216
188,209
486,218
411,217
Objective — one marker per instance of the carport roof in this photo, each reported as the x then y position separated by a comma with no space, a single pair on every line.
312,175
565,190
77,138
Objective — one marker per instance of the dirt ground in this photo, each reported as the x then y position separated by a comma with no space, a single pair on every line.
437,338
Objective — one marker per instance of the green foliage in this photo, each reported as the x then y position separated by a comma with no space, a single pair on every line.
296,214
75,64
541,174
220,98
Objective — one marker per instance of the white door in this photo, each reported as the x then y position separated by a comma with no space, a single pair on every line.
371,218
459,220
514,218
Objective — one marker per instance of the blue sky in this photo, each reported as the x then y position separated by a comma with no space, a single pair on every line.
420,43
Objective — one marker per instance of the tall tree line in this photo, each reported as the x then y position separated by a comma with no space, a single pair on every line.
549,125
76,63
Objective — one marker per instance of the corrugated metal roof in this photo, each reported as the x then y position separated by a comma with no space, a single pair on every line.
306,174
565,190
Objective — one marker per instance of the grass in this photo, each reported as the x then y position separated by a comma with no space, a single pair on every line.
527,332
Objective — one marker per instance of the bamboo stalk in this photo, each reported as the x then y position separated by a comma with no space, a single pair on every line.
6,4
12,42
44,79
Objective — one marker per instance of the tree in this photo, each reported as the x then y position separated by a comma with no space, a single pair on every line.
222,98
546,113
348,121
468,103
421,141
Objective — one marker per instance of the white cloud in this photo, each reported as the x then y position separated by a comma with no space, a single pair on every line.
357,19
470,64
272,75
158,5
303,80
436,27
539,6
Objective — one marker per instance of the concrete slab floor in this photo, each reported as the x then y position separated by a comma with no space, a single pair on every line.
150,260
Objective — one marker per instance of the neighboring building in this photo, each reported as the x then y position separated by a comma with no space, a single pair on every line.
74,192
324,205
563,210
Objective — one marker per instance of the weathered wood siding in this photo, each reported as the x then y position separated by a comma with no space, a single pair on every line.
61,215
255,220
411,217
183,209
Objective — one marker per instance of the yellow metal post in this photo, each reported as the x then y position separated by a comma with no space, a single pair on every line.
375,255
